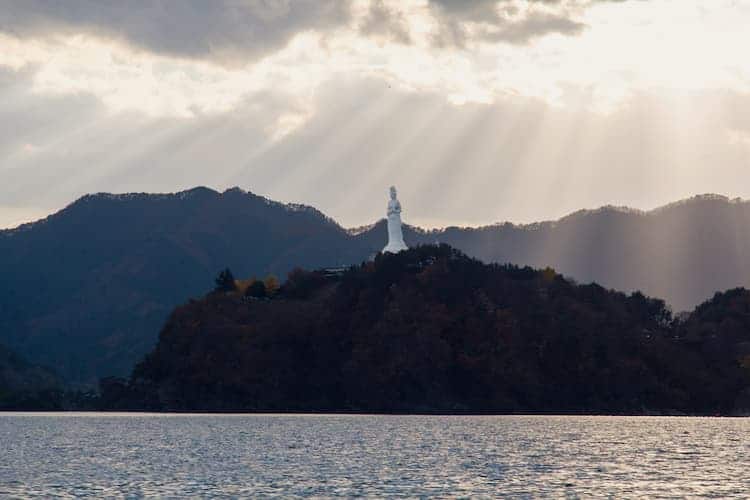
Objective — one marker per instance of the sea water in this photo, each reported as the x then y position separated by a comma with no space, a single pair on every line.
136,455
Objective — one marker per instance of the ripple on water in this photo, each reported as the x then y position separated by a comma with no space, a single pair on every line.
97,455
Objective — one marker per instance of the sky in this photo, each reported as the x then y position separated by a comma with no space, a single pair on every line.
479,111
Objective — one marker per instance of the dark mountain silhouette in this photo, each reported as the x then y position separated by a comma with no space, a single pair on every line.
430,329
86,290
24,385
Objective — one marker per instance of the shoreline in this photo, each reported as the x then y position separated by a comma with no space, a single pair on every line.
363,413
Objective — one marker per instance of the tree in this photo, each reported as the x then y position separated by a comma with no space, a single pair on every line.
650,309
225,281
256,289
114,391
271,283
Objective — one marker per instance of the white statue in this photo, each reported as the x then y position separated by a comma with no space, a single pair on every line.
395,236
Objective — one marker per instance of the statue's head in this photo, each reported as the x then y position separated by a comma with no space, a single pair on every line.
393,192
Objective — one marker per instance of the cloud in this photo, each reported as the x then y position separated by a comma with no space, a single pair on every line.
386,22
332,119
227,31
235,32
126,80
459,24
487,49
54,148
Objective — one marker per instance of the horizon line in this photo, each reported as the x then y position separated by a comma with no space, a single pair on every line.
358,229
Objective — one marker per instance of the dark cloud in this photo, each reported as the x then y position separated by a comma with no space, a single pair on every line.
461,22
236,31
384,22
502,20
224,30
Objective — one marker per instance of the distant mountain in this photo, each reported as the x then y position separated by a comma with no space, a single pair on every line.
430,329
86,290
683,252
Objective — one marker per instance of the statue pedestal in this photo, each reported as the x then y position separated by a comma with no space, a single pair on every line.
395,247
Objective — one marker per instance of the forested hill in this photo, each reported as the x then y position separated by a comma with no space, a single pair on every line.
86,290
24,385
430,329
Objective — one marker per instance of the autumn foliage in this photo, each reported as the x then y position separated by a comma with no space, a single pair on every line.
430,329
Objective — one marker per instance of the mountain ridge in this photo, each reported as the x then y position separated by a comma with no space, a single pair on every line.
89,287
355,230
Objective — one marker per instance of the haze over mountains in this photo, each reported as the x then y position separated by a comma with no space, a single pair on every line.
86,290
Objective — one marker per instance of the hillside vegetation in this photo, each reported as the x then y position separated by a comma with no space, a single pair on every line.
431,329
24,386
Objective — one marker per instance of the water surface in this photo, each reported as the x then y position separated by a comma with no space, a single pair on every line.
134,455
